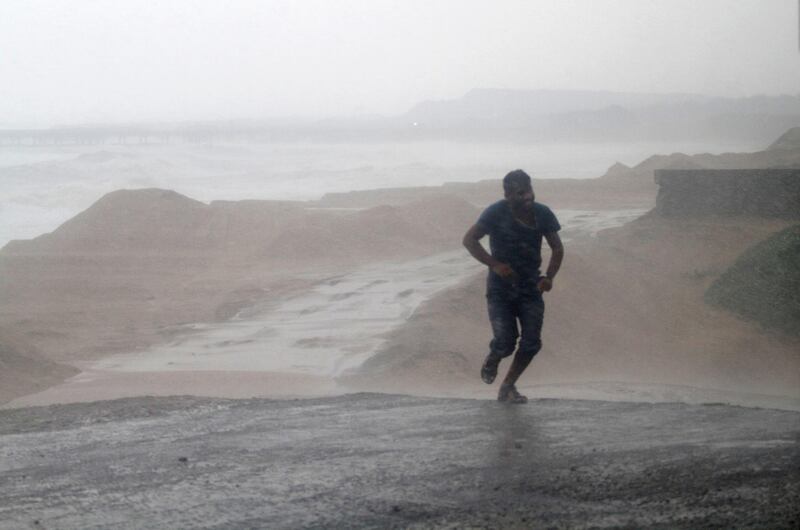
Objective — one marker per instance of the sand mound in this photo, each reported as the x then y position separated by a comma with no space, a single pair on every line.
136,264
764,283
784,153
251,224
24,369
126,220
627,306
441,217
381,232
789,141
163,222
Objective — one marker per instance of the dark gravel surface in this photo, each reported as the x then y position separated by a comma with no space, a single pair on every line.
370,460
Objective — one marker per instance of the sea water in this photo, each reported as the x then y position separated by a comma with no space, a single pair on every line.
41,187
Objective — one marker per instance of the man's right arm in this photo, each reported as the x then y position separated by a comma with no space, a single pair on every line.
472,242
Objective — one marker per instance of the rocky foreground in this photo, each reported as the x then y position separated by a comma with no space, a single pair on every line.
371,460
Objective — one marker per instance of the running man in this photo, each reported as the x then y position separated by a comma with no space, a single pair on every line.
514,286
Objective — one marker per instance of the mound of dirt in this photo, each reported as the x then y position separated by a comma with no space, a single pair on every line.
24,369
789,141
136,264
783,153
764,283
627,306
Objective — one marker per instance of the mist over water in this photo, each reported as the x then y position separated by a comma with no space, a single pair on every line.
43,186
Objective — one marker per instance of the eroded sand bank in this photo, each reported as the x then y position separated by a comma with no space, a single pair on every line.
299,346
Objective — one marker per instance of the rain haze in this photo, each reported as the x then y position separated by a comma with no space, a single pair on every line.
256,230
95,61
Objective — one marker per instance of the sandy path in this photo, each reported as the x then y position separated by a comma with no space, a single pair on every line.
297,347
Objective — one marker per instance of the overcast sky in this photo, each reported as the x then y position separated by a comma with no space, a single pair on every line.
117,60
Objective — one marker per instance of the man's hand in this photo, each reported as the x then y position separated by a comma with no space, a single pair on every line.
473,244
503,270
544,284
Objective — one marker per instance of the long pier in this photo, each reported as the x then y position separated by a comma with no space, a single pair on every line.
100,135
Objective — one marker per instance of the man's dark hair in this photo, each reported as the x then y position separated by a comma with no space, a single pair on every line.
516,179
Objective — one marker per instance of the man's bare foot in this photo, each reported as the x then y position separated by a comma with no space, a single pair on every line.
509,394
489,369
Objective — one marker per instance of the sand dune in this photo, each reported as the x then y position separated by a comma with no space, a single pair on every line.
783,153
23,368
128,270
138,266
160,221
628,306
163,222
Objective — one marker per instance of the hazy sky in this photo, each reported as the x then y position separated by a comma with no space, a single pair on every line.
120,60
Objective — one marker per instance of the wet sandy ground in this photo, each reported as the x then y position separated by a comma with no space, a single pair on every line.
371,460
297,346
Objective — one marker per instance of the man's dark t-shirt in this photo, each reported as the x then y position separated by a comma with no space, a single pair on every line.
517,244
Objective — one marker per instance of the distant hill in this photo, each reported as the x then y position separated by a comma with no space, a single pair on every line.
487,114
602,115
783,153
621,186
764,283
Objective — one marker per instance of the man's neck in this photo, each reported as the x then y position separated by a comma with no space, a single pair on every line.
524,214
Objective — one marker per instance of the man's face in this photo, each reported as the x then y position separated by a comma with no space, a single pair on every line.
520,196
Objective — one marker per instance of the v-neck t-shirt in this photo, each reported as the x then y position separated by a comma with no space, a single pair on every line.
516,243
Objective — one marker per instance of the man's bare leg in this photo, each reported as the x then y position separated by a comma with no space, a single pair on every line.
508,390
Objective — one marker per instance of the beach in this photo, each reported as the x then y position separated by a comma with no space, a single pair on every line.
307,344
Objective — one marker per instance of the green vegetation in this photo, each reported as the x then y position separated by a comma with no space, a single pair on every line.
764,283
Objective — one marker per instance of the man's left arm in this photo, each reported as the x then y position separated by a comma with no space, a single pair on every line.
556,257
